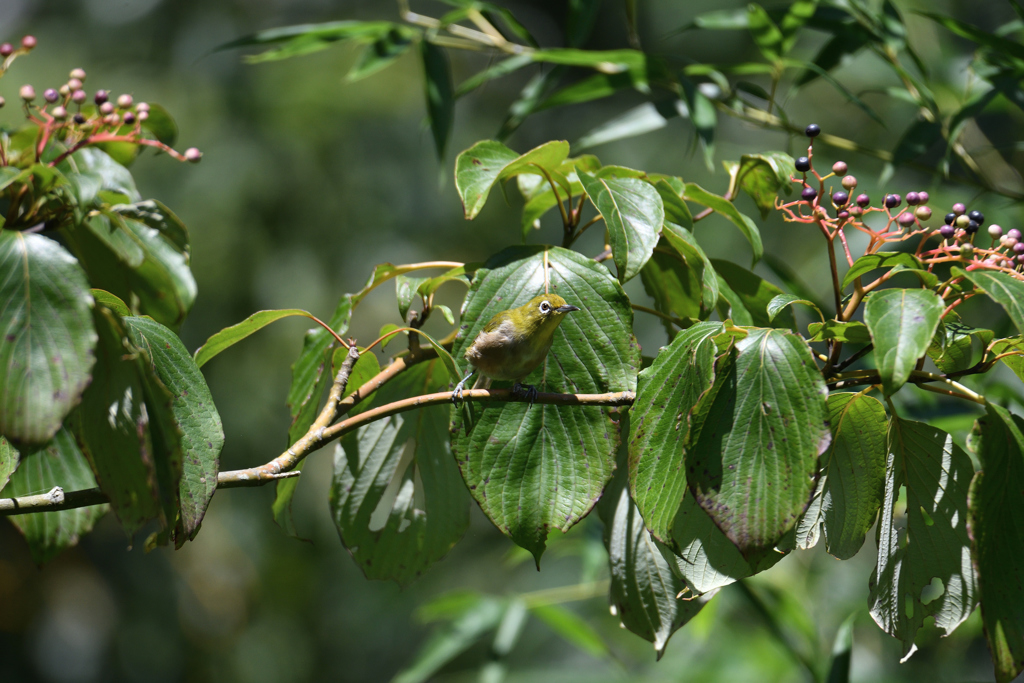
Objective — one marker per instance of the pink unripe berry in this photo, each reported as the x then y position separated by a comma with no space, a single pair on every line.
923,197
839,168
143,115
923,213
2,102
912,199
28,42
78,73
1007,241
51,95
959,208
78,96
193,154
843,214
141,107
27,92
59,113
106,108
1014,233
856,211
849,182
995,230
905,219
75,84
124,101
1020,259
6,50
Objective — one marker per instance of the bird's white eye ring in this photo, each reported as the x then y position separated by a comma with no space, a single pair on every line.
545,307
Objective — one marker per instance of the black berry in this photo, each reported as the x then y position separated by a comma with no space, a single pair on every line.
972,227
950,217
101,96
977,216
808,193
840,198
892,201
812,130
79,118
803,164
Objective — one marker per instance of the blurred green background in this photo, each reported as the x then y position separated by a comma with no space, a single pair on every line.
306,182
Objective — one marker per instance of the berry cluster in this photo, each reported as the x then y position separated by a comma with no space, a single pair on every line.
958,232
65,113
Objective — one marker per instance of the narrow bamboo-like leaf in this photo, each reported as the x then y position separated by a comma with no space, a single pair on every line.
724,207
440,94
703,116
633,213
644,586
595,87
755,294
755,438
851,484
47,332
902,323
397,498
995,523
572,628
58,463
766,34
798,14
1004,289
194,411
781,301
503,68
489,162
542,467
305,39
931,542
660,423
644,118
989,40
581,15
230,336
382,52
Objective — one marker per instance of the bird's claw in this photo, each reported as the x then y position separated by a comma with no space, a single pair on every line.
457,391
527,391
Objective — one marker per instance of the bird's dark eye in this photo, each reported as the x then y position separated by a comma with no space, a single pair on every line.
545,307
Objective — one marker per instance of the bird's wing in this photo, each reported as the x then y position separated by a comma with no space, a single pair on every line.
496,321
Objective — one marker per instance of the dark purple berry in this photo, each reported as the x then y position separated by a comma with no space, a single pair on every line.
863,200
972,227
808,193
101,96
1019,247
51,95
803,164
129,118
977,216
946,231
812,130
79,118
843,214
906,219
840,198
913,199
950,217
892,201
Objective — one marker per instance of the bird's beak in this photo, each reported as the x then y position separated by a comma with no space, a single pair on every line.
567,308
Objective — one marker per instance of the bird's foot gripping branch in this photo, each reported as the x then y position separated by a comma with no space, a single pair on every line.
735,445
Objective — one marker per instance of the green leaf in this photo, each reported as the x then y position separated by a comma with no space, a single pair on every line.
114,429
1014,362
696,193
882,259
406,289
722,20
683,241
572,628
105,298
902,323
502,68
701,111
842,652
437,74
812,67
194,411
660,422
488,162
677,212
930,542
798,14
48,336
580,19
90,171
58,463
832,330
995,523
473,621
230,336
763,176
644,585
916,141
766,34
755,294
781,301
542,467
952,348
160,124
399,507
851,483
673,280
1003,288
633,212
988,40
304,39
8,461
755,438
382,52
446,312
595,87
644,118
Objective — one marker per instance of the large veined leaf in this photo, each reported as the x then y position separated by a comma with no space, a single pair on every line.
90,171
48,339
755,438
931,543
995,523
674,282
1004,289
114,430
659,423
721,205
397,497
194,411
644,584
753,294
542,467
633,212
762,176
58,463
902,323
488,162
851,484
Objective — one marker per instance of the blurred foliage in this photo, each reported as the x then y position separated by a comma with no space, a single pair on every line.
311,172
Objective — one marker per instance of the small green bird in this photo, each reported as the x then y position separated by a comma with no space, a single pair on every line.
515,342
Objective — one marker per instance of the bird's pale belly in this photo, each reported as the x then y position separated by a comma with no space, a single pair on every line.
499,358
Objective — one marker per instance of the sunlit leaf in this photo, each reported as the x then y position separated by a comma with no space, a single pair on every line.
633,213
902,323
